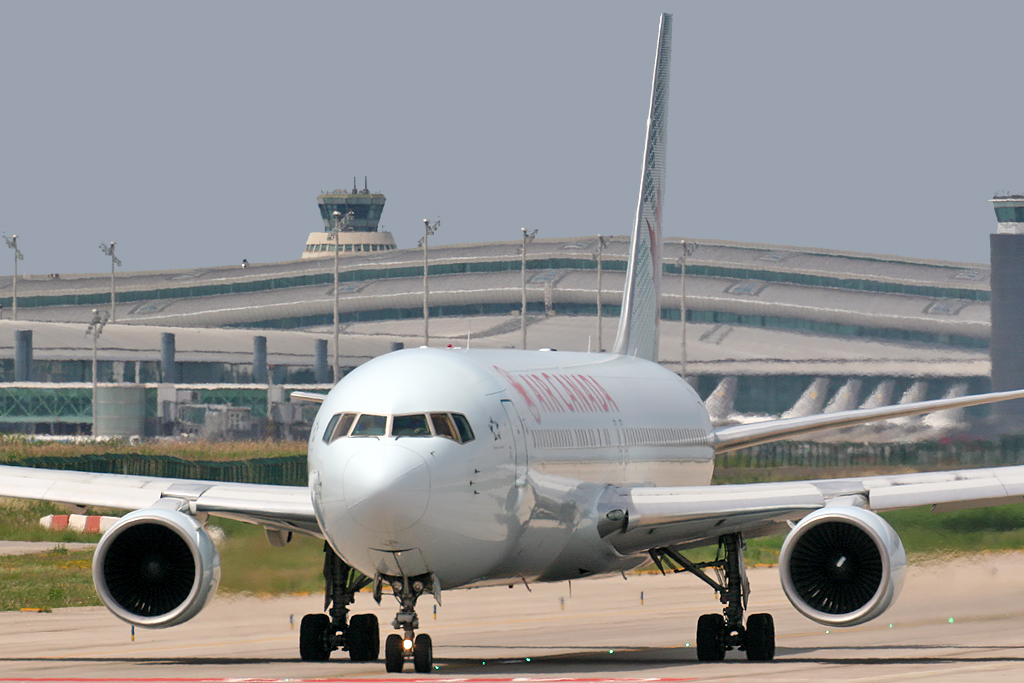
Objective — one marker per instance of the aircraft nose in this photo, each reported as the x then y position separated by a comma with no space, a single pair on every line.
386,487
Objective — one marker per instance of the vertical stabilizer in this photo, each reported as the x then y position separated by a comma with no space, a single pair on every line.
811,401
641,300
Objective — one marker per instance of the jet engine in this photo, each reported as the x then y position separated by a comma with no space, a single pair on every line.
156,568
842,566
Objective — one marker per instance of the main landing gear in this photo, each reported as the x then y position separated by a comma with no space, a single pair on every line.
320,634
398,648
717,633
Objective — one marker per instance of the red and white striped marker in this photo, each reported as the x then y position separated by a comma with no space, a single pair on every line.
90,524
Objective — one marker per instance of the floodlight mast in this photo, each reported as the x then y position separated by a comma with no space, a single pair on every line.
428,230
109,251
341,222
688,249
527,238
12,242
601,241
95,329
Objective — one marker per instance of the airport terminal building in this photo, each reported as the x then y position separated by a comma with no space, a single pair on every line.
776,318
767,327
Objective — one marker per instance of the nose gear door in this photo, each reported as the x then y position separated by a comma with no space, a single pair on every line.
518,440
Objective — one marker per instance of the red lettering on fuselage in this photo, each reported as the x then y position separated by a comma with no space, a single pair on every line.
559,393
544,387
521,390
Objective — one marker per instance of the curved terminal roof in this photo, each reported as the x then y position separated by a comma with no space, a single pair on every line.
749,285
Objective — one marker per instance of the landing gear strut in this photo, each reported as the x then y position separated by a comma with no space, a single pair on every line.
321,634
717,633
397,648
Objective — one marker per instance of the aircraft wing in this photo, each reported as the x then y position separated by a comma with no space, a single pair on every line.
640,518
311,396
687,516
288,508
726,439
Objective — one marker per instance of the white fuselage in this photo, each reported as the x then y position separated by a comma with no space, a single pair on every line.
551,432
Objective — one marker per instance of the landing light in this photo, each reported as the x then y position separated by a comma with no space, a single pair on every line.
407,644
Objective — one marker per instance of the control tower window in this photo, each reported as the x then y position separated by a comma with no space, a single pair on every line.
370,425
410,425
1010,214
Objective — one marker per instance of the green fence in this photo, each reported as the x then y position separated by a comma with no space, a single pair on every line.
289,471
926,455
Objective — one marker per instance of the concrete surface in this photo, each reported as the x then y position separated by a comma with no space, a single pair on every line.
29,547
955,621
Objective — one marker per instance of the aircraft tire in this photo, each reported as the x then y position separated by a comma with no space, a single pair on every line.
394,654
760,638
363,638
711,638
315,638
423,654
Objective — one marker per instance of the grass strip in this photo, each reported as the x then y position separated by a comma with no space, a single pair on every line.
47,581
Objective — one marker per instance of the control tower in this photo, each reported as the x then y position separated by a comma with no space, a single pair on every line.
359,233
1006,348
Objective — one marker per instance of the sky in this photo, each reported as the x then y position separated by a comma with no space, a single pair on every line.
196,134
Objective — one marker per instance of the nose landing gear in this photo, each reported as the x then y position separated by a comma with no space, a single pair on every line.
397,648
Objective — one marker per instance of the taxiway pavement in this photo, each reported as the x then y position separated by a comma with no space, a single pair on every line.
955,621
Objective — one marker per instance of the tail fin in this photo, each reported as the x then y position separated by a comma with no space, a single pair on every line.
811,401
641,300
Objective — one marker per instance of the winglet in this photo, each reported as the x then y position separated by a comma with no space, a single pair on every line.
641,299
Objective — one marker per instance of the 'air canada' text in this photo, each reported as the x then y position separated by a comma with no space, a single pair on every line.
560,392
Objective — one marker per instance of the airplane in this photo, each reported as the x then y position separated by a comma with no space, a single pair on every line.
437,469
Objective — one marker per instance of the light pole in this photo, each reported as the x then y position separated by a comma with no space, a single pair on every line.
95,329
341,221
12,242
688,249
527,238
600,254
114,261
428,230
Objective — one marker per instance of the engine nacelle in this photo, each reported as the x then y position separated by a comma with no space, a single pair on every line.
842,566
156,568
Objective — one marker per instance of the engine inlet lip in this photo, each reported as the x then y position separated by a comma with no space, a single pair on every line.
859,518
169,520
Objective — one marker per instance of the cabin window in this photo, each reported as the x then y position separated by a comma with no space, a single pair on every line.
410,425
370,425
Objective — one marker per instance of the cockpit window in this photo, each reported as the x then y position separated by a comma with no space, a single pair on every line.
443,426
410,425
465,431
452,426
370,425
338,426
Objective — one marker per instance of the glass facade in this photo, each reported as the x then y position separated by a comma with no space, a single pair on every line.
348,247
1010,214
